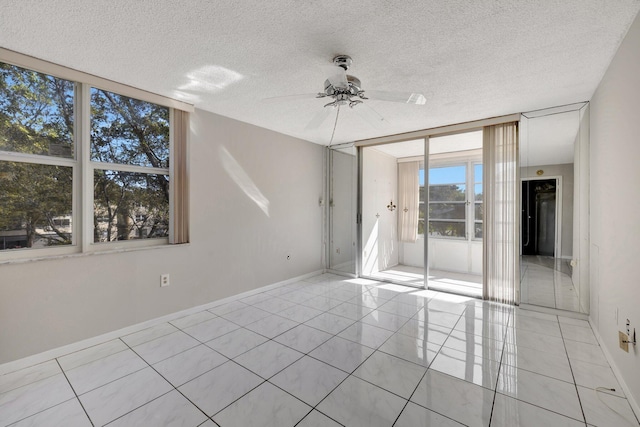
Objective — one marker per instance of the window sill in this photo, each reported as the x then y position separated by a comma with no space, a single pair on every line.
89,253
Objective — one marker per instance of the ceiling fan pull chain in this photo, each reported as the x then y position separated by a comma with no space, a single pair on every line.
335,124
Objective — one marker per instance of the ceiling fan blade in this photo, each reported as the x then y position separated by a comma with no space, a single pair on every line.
404,97
339,78
371,116
290,97
318,119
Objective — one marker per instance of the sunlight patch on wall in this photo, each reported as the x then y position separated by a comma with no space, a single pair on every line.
242,180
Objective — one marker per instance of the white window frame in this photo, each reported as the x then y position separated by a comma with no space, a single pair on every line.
83,167
469,162
473,164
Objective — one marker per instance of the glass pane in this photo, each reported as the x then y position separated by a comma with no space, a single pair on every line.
447,210
342,213
478,191
36,112
35,205
478,230
448,175
478,212
447,229
477,172
130,206
421,227
446,193
128,131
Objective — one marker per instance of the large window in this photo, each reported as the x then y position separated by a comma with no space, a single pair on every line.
48,186
455,201
130,159
447,201
36,170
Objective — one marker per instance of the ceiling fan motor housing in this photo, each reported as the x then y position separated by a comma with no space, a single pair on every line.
343,61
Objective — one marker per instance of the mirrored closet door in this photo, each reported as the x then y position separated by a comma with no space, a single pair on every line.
554,208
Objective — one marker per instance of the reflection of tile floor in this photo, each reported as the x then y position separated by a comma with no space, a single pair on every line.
547,282
446,281
330,351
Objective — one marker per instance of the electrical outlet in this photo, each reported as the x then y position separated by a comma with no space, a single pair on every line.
164,280
623,338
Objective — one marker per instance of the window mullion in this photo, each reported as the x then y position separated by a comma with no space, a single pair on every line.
76,197
469,201
128,168
172,124
84,155
36,159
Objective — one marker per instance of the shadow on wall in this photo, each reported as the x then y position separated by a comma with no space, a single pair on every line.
243,180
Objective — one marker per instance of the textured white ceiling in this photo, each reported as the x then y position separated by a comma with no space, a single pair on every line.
472,60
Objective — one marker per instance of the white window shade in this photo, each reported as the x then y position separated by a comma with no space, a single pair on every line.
501,267
408,201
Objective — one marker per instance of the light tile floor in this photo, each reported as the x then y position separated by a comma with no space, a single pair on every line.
330,351
547,282
440,280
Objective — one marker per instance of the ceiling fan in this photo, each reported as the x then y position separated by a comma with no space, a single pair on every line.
343,88
346,90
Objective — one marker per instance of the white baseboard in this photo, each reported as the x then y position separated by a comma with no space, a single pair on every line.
627,392
554,311
90,342
342,266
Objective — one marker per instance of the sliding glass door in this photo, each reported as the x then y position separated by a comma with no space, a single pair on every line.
422,215
455,213
462,238
392,212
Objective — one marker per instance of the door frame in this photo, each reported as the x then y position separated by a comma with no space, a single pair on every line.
557,250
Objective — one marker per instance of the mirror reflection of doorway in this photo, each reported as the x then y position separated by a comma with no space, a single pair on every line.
539,217
553,208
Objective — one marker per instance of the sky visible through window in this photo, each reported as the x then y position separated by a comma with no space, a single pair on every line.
449,175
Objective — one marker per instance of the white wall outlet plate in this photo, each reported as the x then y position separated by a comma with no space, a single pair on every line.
623,339
164,280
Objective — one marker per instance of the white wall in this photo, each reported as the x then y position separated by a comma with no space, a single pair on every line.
412,253
460,256
379,225
615,205
235,246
